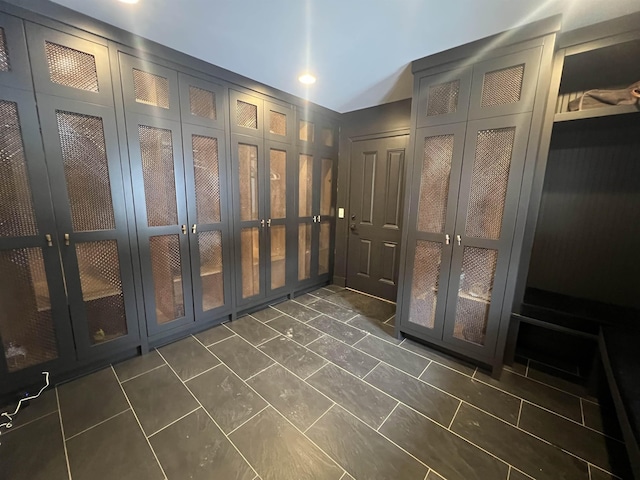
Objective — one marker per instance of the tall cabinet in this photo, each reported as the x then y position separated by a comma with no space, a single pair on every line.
474,127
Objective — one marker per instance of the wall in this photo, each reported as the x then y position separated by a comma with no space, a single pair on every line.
369,122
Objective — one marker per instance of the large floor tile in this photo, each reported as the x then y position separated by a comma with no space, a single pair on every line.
294,329
336,329
280,452
375,327
601,418
368,404
138,365
293,398
597,474
557,378
266,314
158,397
34,451
525,452
214,335
114,449
442,450
90,400
306,299
474,392
536,392
594,447
363,452
418,395
196,449
240,356
402,359
516,475
332,310
438,357
296,310
188,357
298,359
363,304
229,401
344,356
252,330
38,408
322,293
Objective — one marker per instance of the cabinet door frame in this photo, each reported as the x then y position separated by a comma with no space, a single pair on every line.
185,81
310,220
47,108
19,74
145,232
224,226
234,97
428,80
458,130
286,110
521,122
37,36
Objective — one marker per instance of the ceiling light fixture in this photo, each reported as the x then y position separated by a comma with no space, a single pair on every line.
307,79
129,1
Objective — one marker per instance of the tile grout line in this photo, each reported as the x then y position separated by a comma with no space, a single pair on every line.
582,413
208,414
387,417
428,472
250,418
258,373
64,442
318,419
218,341
425,369
268,339
509,473
371,296
454,415
175,421
313,373
143,373
526,372
519,413
138,420
589,470
17,427
98,424
202,373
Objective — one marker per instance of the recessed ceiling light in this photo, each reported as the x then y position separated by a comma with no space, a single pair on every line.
129,1
307,79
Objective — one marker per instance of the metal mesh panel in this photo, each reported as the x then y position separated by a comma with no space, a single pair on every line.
325,244
502,86
210,246
443,98
277,123
306,131
424,287
250,261
17,217
278,240
26,324
167,277
327,137
202,103
86,170
247,114
101,283
304,251
248,181
71,68
489,182
305,185
207,178
5,66
150,89
326,186
278,183
474,296
156,151
434,183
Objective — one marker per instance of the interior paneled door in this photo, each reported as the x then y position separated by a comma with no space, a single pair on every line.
83,159
206,173
34,321
437,168
155,147
375,206
495,151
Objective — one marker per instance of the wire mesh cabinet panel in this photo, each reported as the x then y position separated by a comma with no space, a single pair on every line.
14,61
444,97
246,114
202,103
83,158
34,321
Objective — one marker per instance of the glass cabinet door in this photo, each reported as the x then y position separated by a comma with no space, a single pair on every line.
306,217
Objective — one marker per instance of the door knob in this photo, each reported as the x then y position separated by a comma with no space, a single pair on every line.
353,226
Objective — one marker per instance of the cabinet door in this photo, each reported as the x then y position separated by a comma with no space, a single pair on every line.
155,148
83,159
246,114
248,164
325,220
34,320
207,193
278,122
495,151
443,98
306,168
505,85
69,66
14,60
201,102
149,89
434,196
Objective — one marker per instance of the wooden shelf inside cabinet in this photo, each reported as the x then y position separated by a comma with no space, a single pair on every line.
595,112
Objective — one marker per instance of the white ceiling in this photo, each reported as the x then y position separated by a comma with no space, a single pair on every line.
359,50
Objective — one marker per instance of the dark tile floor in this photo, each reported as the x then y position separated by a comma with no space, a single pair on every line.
315,388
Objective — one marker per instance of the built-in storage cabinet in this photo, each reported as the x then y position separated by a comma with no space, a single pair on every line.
202,102
15,71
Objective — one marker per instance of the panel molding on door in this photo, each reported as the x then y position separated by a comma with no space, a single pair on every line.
246,114
202,102
148,88
68,66
15,71
444,97
505,85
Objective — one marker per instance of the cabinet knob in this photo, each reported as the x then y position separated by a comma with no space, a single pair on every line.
184,229
262,223
194,228
269,223
447,239
459,239
66,239
49,240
